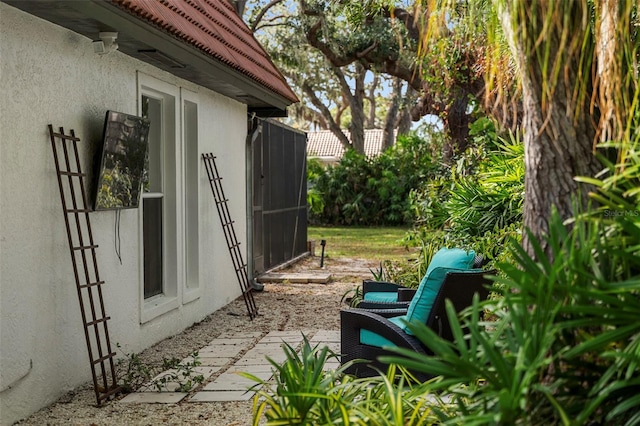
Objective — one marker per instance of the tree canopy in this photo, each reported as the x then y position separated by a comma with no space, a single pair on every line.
328,48
564,73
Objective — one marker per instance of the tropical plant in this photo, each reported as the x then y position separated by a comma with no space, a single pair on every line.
307,392
379,274
410,274
476,204
353,296
315,200
563,345
483,191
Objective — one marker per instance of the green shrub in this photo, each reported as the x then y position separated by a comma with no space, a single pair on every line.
315,201
492,245
477,205
564,345
134,374
364,192
305,392
302,393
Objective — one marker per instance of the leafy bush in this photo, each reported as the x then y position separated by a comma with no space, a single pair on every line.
306,392
484,195
492,245
314,196
477,205
361,191
564,347
302,389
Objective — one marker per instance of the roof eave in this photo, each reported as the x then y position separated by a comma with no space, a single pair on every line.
189,56
171,54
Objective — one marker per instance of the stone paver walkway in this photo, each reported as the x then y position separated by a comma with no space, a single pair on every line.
228,385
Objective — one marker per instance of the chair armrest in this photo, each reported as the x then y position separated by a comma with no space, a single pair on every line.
406,294
379,286
397,306
354,320
386,312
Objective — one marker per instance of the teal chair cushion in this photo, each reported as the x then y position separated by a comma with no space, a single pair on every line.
454,258
368,337
444,261
381,296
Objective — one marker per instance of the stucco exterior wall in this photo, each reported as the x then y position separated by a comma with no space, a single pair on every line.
49,75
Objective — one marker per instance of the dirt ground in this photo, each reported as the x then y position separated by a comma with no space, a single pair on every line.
282,306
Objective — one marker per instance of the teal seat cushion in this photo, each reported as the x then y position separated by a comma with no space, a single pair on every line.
381,296
368,337
444,261
453,258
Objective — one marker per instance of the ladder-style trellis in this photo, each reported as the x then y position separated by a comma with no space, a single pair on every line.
230,234
85,265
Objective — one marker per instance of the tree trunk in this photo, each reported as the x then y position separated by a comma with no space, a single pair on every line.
332,125
404,122
456,123
555,152
356,128
388,138
371,120
558,131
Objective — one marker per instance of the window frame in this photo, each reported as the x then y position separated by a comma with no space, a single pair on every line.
191,197
172,190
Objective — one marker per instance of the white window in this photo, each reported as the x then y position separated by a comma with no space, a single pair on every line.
170,204
192,163
161,238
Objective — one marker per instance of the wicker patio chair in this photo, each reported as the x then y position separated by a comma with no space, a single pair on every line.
457,286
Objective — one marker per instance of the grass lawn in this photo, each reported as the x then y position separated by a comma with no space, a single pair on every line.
361,242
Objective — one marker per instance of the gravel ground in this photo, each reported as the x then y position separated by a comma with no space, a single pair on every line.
281,306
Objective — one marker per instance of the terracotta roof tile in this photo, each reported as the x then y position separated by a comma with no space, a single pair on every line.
325,144
213,27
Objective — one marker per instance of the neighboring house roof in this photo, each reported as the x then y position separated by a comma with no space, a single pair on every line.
325,144
203,41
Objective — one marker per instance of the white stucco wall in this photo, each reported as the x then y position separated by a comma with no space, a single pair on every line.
49,75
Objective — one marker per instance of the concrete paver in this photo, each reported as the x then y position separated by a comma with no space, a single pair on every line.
173,377
209,361
232,381
221,396
153,398
229,385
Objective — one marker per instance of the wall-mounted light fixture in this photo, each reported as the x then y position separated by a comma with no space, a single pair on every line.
106,44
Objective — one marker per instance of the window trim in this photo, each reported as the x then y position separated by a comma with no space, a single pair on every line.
191,242
172,285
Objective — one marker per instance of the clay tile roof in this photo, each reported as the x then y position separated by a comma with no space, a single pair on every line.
213,27
325,144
